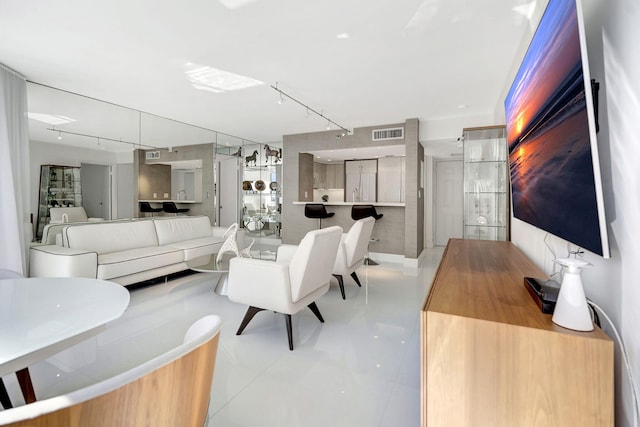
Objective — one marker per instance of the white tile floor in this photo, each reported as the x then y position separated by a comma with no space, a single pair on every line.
359,368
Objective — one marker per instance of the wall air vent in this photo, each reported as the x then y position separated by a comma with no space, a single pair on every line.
383,134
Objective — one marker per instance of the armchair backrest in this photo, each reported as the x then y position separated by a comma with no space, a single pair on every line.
357,240
311,266
169,390
70,214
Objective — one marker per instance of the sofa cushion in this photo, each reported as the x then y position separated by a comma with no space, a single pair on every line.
182,228
110,237
122,263
195,248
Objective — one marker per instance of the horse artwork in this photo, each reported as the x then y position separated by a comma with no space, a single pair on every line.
238,153
270,152
252,158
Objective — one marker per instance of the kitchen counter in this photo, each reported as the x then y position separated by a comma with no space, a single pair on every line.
386,204
168,200
388,230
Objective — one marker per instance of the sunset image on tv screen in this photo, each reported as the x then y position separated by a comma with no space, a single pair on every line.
550,158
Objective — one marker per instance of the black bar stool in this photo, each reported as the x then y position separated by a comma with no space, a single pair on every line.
170,207
145,207
363,211
317,211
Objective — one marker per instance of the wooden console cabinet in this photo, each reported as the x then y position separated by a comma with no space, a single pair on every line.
490,357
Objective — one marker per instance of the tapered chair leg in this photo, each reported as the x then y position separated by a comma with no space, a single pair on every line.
314,308
4,396
24,380
289,330
251,311
355,277
341,283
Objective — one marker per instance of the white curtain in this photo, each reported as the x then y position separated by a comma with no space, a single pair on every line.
15,224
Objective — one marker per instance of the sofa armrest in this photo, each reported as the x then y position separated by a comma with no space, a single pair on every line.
57,261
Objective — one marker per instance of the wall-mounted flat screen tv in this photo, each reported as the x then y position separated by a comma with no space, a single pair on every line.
553,157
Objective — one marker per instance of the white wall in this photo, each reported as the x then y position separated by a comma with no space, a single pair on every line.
614,59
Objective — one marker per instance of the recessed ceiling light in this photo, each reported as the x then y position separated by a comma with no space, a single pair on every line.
462,106
208,78
343,36
52,119
526,9
235,4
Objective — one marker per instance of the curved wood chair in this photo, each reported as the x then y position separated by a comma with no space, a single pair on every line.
170,390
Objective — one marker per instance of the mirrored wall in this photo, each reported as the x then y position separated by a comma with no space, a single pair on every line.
156,159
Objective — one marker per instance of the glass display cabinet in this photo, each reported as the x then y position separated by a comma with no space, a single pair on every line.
261,190
486,184
59,187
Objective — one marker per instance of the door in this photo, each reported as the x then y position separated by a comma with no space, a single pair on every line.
449,201
228,190
96,190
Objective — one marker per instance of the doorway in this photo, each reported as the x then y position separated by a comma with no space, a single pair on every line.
228,190
95,182
449,201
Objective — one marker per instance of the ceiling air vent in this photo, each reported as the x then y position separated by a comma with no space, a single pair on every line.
382,134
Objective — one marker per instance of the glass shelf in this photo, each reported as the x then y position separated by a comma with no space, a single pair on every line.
59,186
486,184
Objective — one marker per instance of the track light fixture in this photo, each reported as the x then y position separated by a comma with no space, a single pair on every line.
309,109
101,138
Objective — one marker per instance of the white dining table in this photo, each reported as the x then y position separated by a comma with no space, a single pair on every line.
40,317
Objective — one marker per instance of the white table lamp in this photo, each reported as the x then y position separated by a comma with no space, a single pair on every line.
571,310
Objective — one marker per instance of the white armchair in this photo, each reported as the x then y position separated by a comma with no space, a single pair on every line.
299,276
70,214
352,251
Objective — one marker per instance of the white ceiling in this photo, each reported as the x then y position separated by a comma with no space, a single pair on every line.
358,62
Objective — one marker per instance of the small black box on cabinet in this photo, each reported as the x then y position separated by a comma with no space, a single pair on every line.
544,292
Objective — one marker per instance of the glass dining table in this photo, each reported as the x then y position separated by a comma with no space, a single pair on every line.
40,317
209,264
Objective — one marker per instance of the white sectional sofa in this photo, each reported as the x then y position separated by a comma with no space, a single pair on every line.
127,252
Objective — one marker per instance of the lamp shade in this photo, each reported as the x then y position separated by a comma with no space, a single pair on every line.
571,309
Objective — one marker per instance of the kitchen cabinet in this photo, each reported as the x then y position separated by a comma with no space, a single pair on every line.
335,176
328,176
